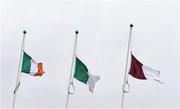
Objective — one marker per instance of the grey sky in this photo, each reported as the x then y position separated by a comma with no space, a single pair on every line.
102,46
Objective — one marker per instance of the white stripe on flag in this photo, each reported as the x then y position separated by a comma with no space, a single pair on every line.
91,82
34,68
150,73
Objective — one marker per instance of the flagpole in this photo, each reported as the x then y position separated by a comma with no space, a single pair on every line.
126,69
19,70
71,73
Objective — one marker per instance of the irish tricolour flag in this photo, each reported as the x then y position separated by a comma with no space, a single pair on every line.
143,72
82,74
29,66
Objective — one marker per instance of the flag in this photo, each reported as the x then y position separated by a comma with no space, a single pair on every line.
29,66
143,72
82,74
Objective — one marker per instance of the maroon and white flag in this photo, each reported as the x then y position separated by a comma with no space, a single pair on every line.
140,71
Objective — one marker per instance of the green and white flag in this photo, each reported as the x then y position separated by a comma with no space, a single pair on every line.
82,74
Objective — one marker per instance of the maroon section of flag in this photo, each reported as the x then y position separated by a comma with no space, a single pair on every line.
136,68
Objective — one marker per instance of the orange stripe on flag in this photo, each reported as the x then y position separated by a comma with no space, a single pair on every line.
40,70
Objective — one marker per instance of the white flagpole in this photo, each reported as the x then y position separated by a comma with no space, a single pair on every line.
71,73
126,69
19,70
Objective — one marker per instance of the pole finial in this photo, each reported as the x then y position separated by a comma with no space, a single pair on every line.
76,31
24,31
131,25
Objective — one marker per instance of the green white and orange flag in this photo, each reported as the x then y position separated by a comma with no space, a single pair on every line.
82,74
29,66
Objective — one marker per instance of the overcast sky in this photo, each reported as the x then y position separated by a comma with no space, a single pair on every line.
102,45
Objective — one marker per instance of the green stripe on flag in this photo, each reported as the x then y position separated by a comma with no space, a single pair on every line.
81,71
26,63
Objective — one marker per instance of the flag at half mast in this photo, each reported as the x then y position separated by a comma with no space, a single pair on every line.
82,74
29,66
143,72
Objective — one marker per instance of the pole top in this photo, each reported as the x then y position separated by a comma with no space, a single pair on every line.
76,31
24,31
131,25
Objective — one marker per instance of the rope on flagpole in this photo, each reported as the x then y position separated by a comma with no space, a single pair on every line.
71,73
19,70
126,70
